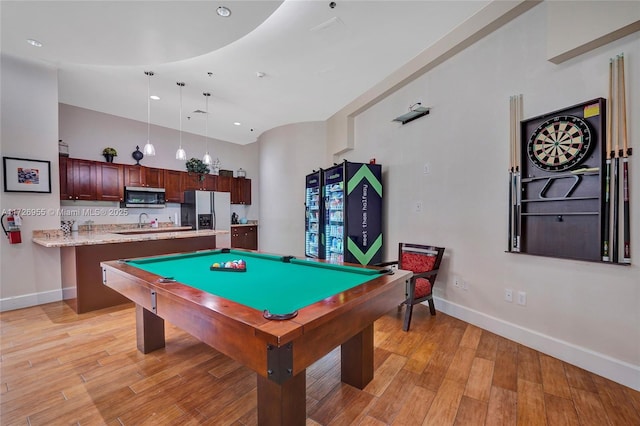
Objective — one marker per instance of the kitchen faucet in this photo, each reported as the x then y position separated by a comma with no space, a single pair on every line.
140,219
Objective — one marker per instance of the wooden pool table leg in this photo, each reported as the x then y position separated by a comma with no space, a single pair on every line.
149,330
282,404
356,363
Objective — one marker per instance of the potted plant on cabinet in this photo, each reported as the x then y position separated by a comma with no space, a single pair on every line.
109,153
195,165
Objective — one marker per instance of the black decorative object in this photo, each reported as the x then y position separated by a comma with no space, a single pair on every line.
137,155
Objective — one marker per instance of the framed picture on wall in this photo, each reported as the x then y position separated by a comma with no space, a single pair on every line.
24,175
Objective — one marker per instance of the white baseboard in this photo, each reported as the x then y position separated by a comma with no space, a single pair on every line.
597,363
69,293
28,300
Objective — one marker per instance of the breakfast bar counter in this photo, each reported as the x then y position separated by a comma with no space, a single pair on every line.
56,239
82,252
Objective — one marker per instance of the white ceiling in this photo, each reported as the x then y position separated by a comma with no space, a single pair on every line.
315,59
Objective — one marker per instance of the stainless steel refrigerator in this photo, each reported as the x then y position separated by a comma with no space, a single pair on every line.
208,210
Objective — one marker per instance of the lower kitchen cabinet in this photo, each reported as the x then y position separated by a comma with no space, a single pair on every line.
244,236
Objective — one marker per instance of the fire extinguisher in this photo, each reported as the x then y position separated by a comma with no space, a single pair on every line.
12,231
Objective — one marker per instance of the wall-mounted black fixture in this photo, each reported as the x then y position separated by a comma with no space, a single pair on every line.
415,111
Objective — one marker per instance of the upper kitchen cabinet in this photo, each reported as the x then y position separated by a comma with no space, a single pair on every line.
194,182
66,187
78,179
110,178
142,176
173,186
224,183
241,191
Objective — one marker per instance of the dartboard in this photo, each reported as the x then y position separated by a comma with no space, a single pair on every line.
559,143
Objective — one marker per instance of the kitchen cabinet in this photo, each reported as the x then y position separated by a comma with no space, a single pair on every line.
244,236
241,191
109,181
173,186
224,183
194,182
94,180
142,176
66,184
78,179
154,178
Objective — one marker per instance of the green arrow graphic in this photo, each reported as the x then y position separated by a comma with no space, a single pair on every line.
364,258
364,173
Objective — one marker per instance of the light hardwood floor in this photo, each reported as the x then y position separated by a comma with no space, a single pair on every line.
59,368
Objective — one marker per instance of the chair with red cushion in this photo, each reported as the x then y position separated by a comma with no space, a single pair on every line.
424,261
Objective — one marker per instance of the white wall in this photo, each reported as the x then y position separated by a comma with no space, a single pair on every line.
585,313
29,274
287,154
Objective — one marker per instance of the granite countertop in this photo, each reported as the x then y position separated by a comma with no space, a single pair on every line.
84,238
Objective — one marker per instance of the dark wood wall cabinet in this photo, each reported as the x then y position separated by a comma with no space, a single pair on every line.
142,176
100,181
244,236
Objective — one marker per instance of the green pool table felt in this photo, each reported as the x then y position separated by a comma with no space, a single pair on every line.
268,284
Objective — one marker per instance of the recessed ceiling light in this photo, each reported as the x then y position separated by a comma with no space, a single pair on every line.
237,123
225,12
154,97
34,43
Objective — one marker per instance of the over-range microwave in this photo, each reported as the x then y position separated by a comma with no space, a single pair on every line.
138,196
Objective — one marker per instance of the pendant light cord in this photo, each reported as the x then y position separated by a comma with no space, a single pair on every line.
149,106
181,85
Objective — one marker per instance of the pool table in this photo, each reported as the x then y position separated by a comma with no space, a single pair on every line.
277,316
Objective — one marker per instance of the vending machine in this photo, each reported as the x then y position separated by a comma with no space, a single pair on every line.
314,210
353,213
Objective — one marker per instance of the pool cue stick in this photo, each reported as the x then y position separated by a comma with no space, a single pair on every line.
616,183
511,215
514,240
518,176
607,189
626,151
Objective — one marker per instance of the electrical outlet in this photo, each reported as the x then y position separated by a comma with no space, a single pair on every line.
427,169
522,298
508,295
418,206
457,281
465,285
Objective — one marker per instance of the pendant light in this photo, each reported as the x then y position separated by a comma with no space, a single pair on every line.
180,153
207,158
149,150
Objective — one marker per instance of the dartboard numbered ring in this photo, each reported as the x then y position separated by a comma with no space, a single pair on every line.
559,143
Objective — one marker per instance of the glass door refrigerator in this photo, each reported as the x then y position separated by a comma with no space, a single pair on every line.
353,213
314,208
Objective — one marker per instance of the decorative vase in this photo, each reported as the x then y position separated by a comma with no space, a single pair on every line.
108,158
137,155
